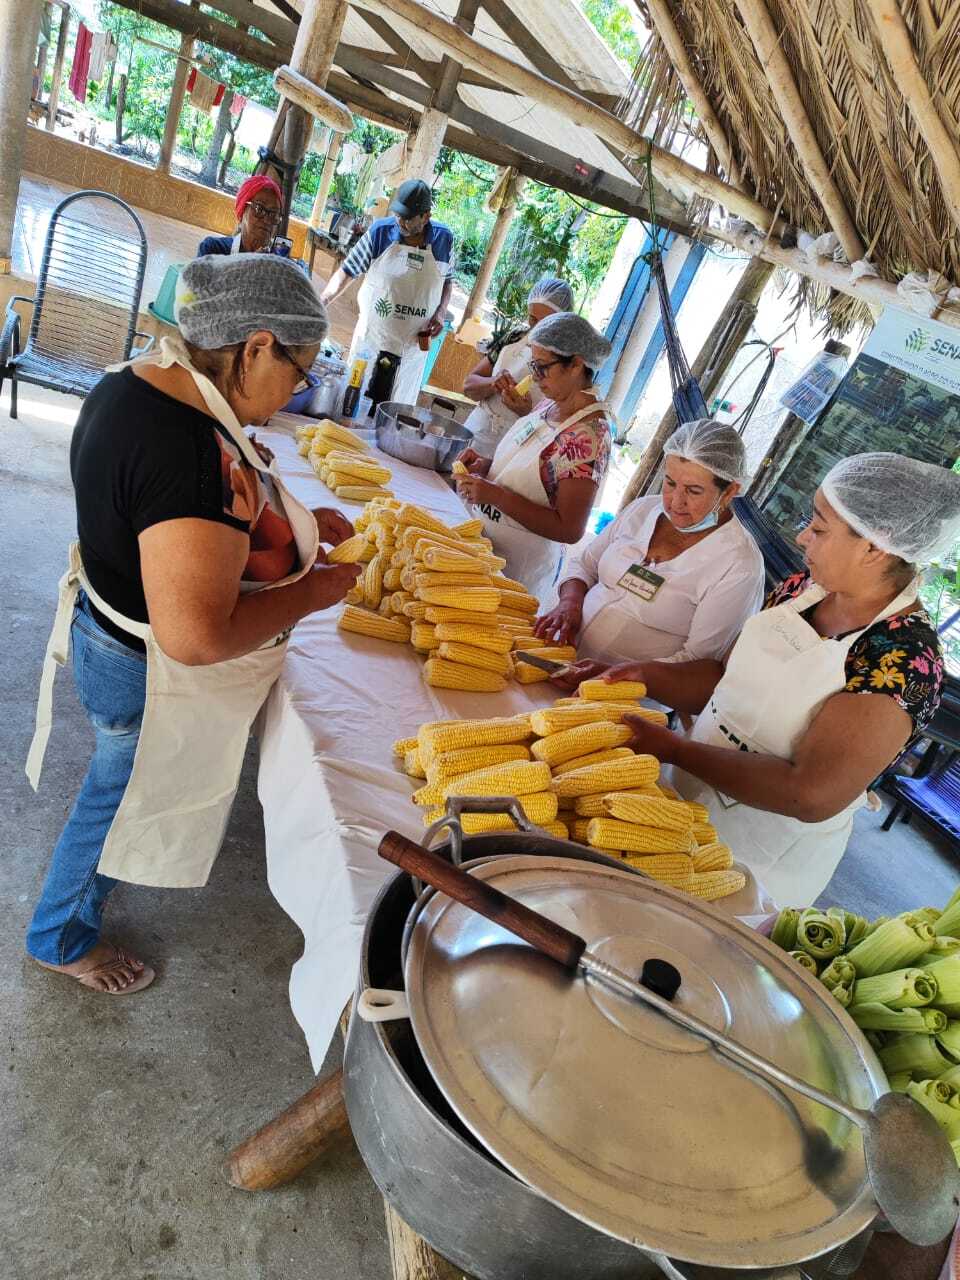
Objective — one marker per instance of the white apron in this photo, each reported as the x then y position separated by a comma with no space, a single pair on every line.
399,294
531,559
196,720
492,419
778,676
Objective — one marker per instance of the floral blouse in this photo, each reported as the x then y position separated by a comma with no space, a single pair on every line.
581,452
899,656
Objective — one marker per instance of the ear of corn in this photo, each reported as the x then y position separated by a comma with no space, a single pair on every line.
385,606
517,778
540,807
592,806
528,641
580,741
399,599
351,464
595,757
705,833
440,560
471,656
713,857
468,528
410,513
453,764
556,829
442,674
352,550
566,714
452,735
649,811
458,632
416,611
439,613
423,637
526,674
518,602
373,582
674,869
616,691
365,623
452,579
403,745
355,594
617,775
578,829
511,584
330,430
477,599
413,765
459,469
609,833
391,579
356,493
429,795
711,885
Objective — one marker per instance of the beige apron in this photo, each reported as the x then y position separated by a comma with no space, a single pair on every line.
778,676
196,720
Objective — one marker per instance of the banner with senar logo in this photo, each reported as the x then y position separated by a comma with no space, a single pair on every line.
924,348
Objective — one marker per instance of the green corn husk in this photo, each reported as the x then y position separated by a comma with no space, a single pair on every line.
929,915
949,923
805,961
949,1040
874,925
952,1078
879,1017
856,927
898,1081
920,1055
904,989
939,950
946,973
821,934
947,1117
894,945
785,930
839,970
842,992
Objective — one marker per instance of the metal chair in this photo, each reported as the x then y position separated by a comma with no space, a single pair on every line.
87,299
935,796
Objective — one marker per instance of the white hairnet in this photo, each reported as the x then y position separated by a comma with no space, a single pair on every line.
567,334
710,444
553,293
908,508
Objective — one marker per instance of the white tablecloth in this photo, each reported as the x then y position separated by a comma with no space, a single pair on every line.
328,783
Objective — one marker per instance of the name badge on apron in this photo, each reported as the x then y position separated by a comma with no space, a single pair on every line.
530,429
415,261
641,581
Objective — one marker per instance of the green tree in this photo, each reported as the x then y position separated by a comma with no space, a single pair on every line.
613,21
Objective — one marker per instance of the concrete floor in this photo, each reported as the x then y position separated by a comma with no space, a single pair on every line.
115,1114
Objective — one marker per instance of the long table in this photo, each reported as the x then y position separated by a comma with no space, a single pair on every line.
328,782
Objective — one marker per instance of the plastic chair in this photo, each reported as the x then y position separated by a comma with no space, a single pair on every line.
87,299
780,559
935,797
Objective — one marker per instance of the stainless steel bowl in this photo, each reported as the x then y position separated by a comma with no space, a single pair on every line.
422,437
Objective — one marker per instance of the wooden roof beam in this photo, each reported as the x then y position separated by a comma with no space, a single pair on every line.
766,41
427,71
279,30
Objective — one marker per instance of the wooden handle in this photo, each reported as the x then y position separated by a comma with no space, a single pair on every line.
552,939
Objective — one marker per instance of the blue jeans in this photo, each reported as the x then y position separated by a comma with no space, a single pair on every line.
111,683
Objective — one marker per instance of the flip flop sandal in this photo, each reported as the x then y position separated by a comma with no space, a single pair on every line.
87,976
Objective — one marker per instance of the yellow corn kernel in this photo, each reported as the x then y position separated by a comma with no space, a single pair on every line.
711,885
516,778
649,811
442,736
403,745
409,513
356,493
366,623
391,579
471,656
556,829
674,869
413,765
441,674
713,857
430,795
705,833
468,528
580,741
519,602
423,637
592,806
540,807
460,633
595,757
528,641
453,764
353,550
617,775
616,691
373,582
609,833
459,469
476,599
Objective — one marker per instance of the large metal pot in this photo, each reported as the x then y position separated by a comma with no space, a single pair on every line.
439,1177
429,438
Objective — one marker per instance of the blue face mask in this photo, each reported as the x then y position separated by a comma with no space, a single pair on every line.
709,521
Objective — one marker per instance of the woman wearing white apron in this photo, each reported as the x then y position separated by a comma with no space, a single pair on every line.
193,564
674,576
536,492
823,690
494,381
407,268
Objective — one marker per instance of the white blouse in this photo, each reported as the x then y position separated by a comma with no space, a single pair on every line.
708,592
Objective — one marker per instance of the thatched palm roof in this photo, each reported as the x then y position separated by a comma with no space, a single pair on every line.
854,88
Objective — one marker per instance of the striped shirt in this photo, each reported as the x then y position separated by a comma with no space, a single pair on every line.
386,232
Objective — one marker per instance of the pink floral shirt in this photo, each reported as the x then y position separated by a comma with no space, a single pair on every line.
581,452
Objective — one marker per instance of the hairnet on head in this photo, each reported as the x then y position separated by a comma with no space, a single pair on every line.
710,444
908,508
551,292
222,300
567,334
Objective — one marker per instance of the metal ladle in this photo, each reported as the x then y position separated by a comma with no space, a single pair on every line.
910,1163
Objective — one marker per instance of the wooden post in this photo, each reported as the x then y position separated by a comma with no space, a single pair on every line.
423,150
334,143
790,435
498,238
19,27
722,344
412,1258
57,76
175,105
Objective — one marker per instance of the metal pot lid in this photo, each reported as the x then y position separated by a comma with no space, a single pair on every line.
624,1120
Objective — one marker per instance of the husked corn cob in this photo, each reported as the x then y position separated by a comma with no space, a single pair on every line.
516,778
704,832
453,764
540,807
477,599
525,674
609,833
415,610
459,469
595,757
480,639
557,829
355,594
471,656
345,464
373,582
403,745
650,811
356,493
385,606
493,563
517,601
413,765
527,640
352,550
410,513
468,528
331,430
429,796
553,719
423,637
450,735
399,600
391,579
440,613
711,885
442,674
592,806
420,540
617,775
713,857
616,691
579,741
578,829
674,869
510,584
450,579
366,623
442,560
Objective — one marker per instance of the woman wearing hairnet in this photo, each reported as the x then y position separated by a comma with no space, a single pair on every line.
825,687
493,383
676,575
535,493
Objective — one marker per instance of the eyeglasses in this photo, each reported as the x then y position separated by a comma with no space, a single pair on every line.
263,211
305,378
539,368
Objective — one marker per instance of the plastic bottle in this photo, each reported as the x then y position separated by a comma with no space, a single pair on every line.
351,398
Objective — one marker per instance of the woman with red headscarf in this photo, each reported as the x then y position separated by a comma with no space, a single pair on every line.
258,205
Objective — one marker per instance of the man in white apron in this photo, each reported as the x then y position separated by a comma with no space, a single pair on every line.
171,733
407,266
787,740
